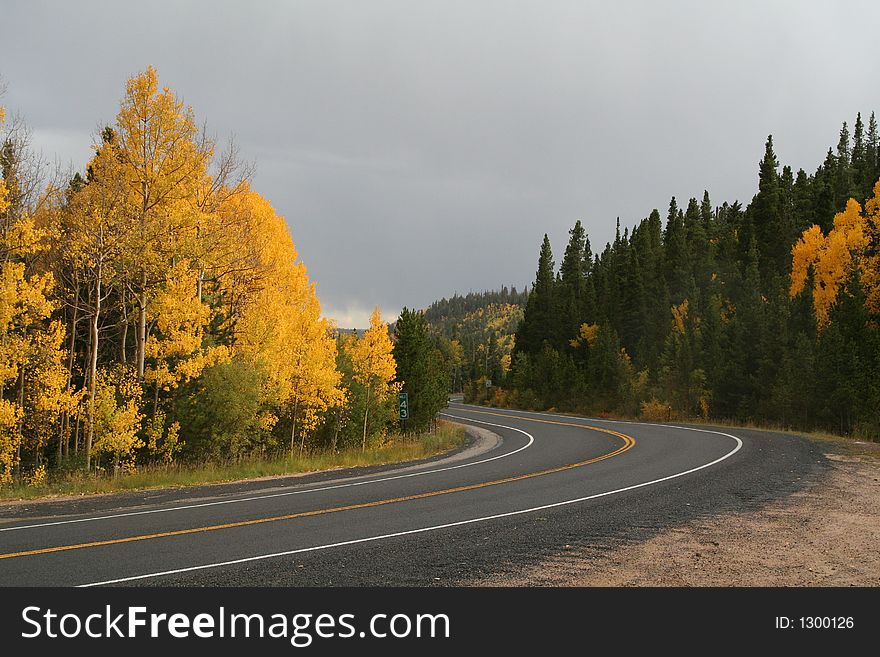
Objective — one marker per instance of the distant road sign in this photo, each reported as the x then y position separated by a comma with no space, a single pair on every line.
403,405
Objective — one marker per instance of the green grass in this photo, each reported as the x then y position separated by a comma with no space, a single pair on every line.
446,438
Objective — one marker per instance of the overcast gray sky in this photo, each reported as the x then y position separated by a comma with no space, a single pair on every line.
421,148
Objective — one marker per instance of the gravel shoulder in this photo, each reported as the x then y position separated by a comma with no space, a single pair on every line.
824,535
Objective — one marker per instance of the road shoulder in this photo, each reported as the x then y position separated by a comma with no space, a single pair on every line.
823,535
478,442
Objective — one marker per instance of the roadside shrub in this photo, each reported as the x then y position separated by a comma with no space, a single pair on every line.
654,410
219,412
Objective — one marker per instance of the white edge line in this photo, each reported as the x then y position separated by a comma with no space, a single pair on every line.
271,495
422,530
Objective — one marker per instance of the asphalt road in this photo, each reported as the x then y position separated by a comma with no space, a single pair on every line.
551,482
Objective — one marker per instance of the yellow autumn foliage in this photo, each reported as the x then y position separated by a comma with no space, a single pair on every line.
4,195
180,317
374,366
48,395
586,336
830,258
278,318
10,439
4,191
679,317
373,359
158,145
160,264
117,416
871,259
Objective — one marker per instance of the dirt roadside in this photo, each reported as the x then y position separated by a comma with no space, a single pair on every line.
826,535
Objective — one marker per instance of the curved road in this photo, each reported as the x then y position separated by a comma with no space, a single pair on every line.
552,481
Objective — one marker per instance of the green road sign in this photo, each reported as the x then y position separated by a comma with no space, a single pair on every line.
403,405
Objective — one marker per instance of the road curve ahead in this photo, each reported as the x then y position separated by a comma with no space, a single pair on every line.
552,481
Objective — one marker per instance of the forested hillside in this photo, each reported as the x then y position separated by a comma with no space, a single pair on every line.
765,313
476,334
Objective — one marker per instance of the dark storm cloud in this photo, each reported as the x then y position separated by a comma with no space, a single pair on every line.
418,148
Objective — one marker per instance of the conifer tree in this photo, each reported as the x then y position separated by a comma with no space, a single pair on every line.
677,259
872,155
420,368
571,289
539,311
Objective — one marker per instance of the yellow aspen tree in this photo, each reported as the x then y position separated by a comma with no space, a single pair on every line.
315,385
48,394
277,319
8,411
312,380
871,259
374,367
4,190
30,348
831,258
219,239
587,335
24,303
252,252
165,163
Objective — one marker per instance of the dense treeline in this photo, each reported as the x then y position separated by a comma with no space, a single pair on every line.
154,308
701,312
451,310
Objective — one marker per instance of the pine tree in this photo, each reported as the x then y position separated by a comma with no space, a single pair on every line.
802,203
872,155
844,183
766,215
706,212
420,369
588,297
859,160
631,321
538,320
824,194
571,288
677,258
698,246
742,386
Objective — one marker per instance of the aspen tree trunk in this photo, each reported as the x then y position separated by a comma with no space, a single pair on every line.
156,399
142,328
93,356
123,340
336,430
20,420
76,435
293,425
93,367
366,412
87,354
64,438
302,440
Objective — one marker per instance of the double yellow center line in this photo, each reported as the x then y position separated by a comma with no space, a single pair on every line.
628,443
